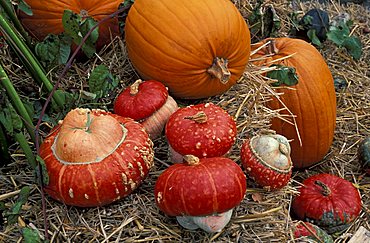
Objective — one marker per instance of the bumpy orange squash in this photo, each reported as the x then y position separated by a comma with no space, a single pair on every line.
312,100
94,158
197,48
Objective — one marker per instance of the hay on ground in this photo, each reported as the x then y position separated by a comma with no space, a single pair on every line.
262,216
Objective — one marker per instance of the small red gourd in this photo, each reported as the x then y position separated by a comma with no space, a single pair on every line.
47,16
200,187
196,48
312,100
94,158
203,130
307,232
266,159
328,201
147,102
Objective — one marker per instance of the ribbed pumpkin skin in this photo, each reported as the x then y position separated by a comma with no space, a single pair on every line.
47,16
214,185
175,42
312,100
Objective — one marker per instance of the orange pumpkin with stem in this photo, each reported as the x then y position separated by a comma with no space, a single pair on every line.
196,48
312,101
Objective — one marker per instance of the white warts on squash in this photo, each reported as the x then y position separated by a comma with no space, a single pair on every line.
70,192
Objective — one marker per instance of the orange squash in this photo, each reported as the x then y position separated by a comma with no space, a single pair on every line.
47,17
197,48
312,100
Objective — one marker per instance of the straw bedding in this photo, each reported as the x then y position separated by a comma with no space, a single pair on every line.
262,216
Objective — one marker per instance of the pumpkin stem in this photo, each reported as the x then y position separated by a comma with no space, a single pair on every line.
271,47
219,70
88,123
200,117
84,13
134,88
191,159
325,189
283,149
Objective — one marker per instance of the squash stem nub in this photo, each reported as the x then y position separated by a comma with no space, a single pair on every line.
219,70
271,47
325,189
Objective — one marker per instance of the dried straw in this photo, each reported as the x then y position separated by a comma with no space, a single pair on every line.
262,216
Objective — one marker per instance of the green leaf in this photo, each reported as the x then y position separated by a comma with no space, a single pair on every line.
55,49
15,118
293,19
128,3
338,34
353,46
77,28
4,119
66,98
44,171
31,235
101,81
24,7
283,75
29,107
45,118
307,20
2,206
88,24
10,119
313,37
13,214
89,46
71,23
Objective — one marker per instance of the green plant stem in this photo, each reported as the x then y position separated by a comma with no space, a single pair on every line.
9,10
31,62
21,139
5,157
17,103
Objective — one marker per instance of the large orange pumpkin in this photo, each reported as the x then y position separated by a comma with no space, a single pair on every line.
197,48
312,100
47,16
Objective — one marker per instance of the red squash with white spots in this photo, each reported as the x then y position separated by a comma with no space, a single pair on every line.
94,158
328,201
147,102
203,130
201,187
266,159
